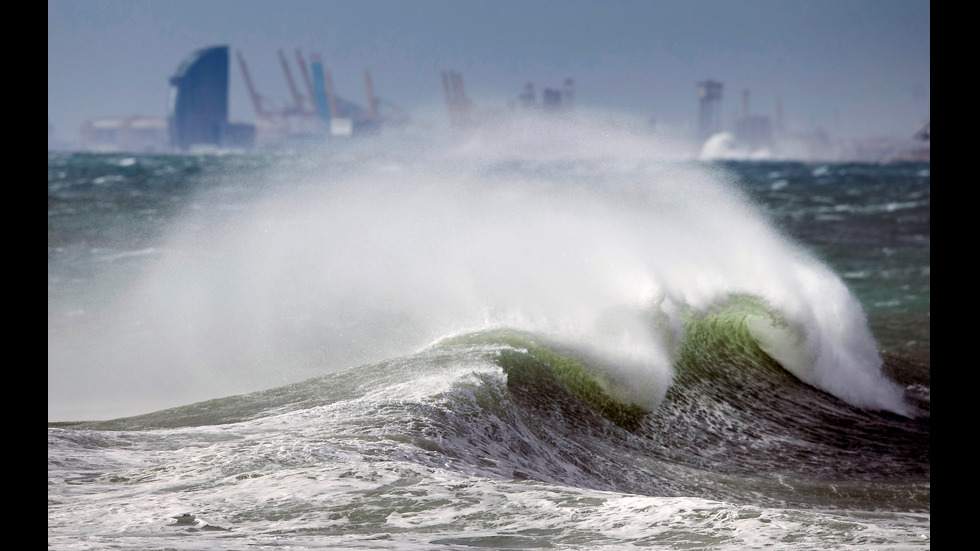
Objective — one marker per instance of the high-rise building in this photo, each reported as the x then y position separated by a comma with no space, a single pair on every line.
198,103
709,99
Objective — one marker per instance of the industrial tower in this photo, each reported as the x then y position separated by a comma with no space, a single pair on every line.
709,98
460,107
754,131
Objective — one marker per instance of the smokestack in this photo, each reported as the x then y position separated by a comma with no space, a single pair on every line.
745,104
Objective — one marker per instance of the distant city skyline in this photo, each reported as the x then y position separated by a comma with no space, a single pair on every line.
855,69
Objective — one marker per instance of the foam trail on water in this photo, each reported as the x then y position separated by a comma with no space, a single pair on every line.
581,228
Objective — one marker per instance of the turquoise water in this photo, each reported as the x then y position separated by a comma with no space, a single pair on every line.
487,344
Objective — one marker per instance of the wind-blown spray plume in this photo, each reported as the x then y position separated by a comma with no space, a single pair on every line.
580,229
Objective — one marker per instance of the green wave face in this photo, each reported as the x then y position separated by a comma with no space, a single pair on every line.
724,336
531,362
718,348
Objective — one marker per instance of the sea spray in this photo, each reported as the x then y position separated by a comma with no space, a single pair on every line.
439,445
577,228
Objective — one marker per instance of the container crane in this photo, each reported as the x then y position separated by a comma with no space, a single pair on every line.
271,124
331,96
338,126
298,99
305,71
262,109
371,100
393,115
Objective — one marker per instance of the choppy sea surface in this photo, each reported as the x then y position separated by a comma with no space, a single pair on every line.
534,336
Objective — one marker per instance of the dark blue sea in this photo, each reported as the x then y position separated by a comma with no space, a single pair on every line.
534,335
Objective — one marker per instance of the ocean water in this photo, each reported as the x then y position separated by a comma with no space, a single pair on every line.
534,334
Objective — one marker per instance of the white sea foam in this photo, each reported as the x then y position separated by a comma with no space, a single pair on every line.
724,146
278,482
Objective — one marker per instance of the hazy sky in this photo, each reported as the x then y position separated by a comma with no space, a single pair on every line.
855,68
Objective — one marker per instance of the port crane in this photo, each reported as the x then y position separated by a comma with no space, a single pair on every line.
315,107
264,108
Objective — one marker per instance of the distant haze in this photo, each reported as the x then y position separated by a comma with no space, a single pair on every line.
853,69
